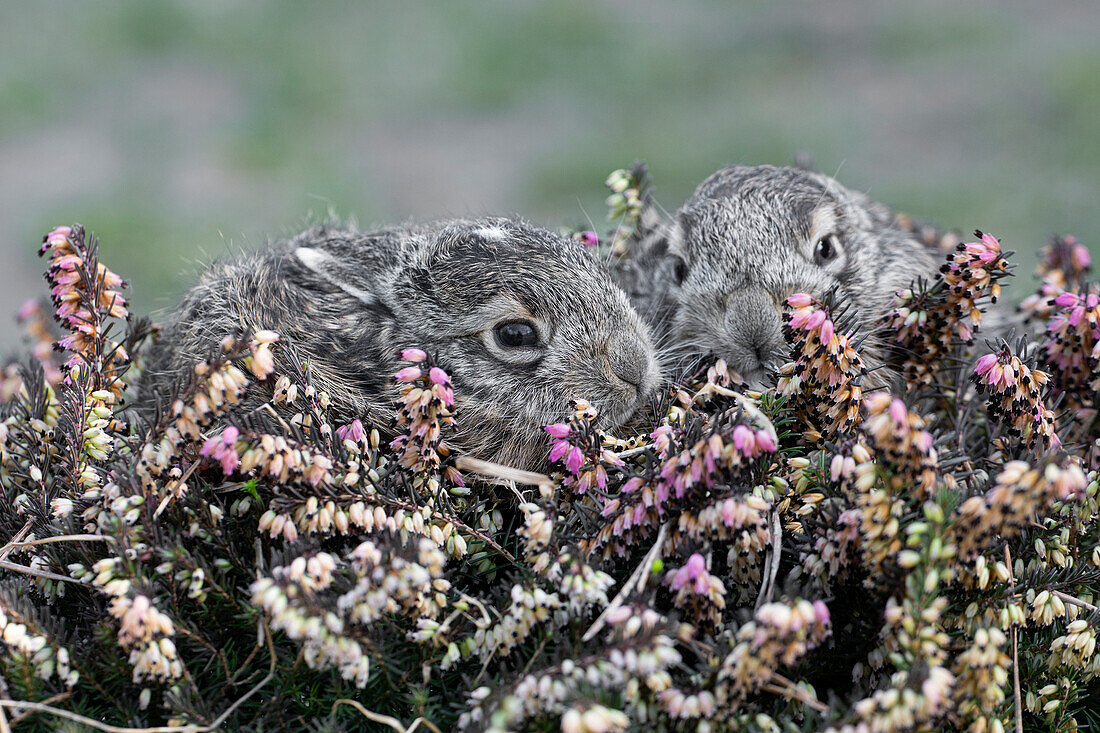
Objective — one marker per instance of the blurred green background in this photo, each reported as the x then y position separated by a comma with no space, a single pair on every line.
182,130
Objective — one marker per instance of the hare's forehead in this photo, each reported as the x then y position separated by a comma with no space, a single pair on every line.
539,280
761,223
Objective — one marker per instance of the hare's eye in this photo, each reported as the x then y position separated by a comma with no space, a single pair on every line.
516,334
827,249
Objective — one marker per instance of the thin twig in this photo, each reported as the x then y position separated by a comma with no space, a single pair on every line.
1015,652
40,573
637,578
790,690
39,707
23,532
771,562
17,719
385,719
499,470
629,452
1074,601
170,489
63,538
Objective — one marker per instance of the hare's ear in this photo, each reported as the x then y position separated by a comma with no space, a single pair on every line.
364,267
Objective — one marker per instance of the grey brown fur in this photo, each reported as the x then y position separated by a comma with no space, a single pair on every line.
351,301
713,280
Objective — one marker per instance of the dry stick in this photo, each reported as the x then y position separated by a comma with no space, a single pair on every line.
499,470
1015,651
40,573
63,538
385,719
42,708
17,719
1074,601
6,549
638,578
175,485
771,562
790,690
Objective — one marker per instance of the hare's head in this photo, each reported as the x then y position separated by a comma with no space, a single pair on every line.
749,237
524,320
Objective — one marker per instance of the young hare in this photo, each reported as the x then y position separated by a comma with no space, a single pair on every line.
523,320
713,280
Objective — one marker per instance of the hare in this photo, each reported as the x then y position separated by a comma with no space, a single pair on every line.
524,320
713,280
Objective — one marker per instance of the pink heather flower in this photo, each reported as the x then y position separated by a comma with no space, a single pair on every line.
1066,299
694,571
821,612
799,318
445,394
992,242
985,364
1081,257
799,300
898,411
558,430
27,310
558,450
765,442
574,461
816,319
353,431
414,355
588,239
836,467
222,449
826,331
408,374
438,376
743,439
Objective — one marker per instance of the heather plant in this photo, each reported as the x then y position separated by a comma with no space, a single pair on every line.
822,554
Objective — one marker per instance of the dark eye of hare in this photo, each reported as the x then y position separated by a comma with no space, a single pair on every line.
516,334
827,249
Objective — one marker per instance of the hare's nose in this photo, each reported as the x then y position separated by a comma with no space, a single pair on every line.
630,362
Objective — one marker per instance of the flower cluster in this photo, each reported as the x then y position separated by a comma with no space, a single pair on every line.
45,655
144,631
1064,263
778,636
824,375
1014,396
316,599
1020,493
86,295
926,321
427,402
898,436
697,591
579,446
629,200
982,673
633,662
1071,345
